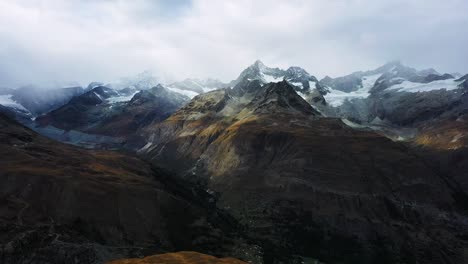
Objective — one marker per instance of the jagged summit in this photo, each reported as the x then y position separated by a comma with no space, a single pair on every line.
259,64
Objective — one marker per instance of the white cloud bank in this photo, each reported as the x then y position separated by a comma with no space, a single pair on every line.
44,40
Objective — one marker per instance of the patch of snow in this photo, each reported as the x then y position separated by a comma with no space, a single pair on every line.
336,98
312,85
411,87
98,96
119,99
201,86
6,100
298,84
190,94
369,81
270,78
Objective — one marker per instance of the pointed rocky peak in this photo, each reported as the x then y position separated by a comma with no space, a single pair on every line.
326,80
159,91
259,67
93,85
259,64
258,71
280,97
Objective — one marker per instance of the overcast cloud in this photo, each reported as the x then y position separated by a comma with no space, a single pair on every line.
56,40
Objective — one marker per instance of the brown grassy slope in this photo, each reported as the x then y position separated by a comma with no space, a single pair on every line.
179,258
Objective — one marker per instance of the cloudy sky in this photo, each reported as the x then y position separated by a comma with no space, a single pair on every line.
86,40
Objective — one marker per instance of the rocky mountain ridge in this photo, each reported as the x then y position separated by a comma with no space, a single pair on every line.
293,176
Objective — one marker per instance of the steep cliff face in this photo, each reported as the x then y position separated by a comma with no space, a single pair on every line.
62,204
309,185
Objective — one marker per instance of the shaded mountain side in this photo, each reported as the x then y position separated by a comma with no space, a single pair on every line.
179,258
96,112
62,204
309,185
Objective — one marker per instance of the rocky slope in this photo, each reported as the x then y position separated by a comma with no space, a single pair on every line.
62,204
308,185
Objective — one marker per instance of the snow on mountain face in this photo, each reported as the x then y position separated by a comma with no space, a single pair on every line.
258,71
7,101
296,76
121,98
336,98
266,78
187,93
193,87
414,87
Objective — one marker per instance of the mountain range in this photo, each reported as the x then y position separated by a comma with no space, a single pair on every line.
275,166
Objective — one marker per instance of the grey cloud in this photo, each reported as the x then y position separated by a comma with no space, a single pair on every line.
52,40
